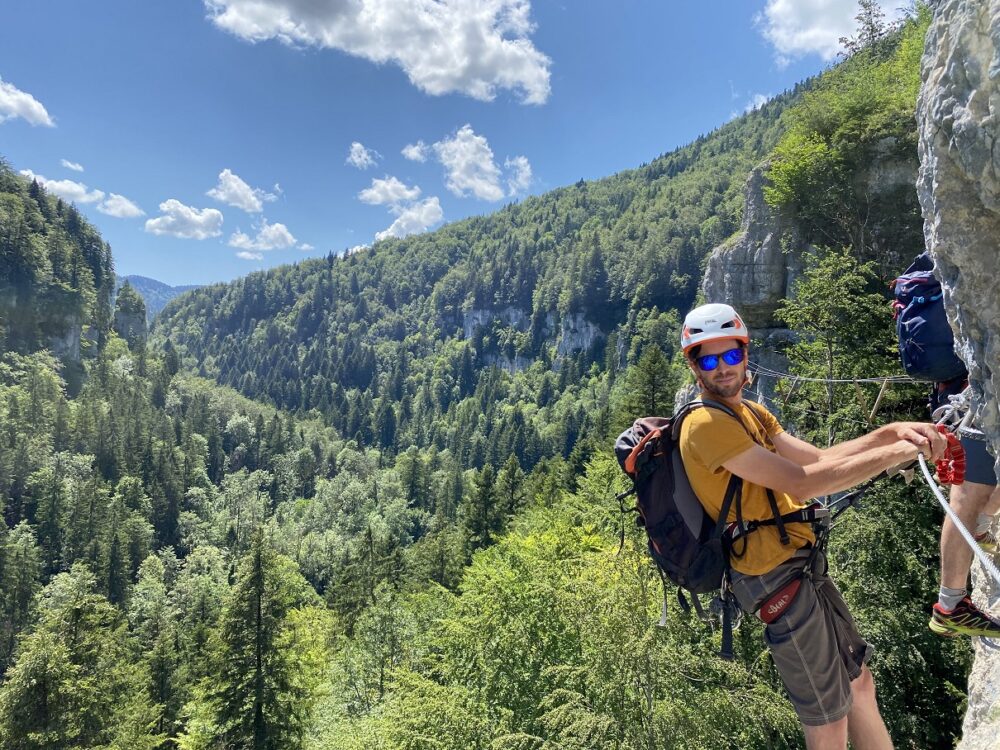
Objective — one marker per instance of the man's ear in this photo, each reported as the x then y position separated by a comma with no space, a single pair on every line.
694,371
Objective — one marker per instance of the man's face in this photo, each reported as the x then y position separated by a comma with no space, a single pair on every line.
725,381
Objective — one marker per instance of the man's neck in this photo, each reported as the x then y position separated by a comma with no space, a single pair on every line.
732,401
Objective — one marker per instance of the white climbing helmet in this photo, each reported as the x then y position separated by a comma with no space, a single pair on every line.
711,323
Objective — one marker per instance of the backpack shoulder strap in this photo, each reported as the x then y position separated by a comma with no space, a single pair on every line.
752,406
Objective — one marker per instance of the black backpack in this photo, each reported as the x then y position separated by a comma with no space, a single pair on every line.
926,345
686,543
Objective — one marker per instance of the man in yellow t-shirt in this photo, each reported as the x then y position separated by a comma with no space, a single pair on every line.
812,637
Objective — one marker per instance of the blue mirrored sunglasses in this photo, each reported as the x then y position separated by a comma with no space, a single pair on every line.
709,362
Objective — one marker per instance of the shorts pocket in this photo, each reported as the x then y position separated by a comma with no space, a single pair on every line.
802,609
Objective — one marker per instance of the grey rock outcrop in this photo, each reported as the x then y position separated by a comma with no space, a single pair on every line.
512,317
755,269
576,334
959,189
66,345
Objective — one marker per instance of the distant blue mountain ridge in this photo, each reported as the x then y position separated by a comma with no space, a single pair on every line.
155,293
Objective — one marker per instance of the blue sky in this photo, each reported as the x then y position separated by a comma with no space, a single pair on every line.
206,139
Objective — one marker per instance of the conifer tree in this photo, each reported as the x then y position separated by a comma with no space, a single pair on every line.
20,582
262,699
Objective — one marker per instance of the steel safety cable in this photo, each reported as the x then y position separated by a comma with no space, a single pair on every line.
979,552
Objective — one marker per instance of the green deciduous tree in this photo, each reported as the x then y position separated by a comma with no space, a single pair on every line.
74,683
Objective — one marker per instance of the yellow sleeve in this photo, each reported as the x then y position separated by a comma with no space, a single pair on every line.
712,437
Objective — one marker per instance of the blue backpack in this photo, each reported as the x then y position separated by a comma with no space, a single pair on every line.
926,346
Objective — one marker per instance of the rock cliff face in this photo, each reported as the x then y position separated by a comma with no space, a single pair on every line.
509,316
755,269
959,186
66,344
574,332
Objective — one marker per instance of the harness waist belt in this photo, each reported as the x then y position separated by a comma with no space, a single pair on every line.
810,514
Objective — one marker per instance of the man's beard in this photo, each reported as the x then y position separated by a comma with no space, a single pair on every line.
727,391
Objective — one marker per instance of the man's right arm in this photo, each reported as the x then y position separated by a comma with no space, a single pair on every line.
759,466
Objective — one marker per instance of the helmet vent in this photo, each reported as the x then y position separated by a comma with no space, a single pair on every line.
728,324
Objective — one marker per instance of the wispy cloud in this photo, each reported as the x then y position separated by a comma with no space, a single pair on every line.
68,190
388,192
475,48
76,192
469,165
71,165
519,179
186,222
361,157
16,103
796,28
756,101
233,191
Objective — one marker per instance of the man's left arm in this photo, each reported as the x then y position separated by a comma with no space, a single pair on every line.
803,453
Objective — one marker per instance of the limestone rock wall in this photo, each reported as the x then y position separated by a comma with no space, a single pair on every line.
576,334
959,187
755,269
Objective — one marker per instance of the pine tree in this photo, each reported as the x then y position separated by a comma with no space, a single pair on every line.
483,516
649,386
20,582
263,699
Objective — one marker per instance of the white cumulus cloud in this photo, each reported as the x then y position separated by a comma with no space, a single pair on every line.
68,190
415,218
416,151
179,220
71,165
247,255
306,247
519,174
120,207
469,165
756,102
233,191
76,192
17,103
388,192
796,28
362,157
473,47
269,237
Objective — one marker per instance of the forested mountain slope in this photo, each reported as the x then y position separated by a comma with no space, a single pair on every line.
154,293
574,275
56,272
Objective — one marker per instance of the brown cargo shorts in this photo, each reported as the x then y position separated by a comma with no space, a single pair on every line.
815,644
